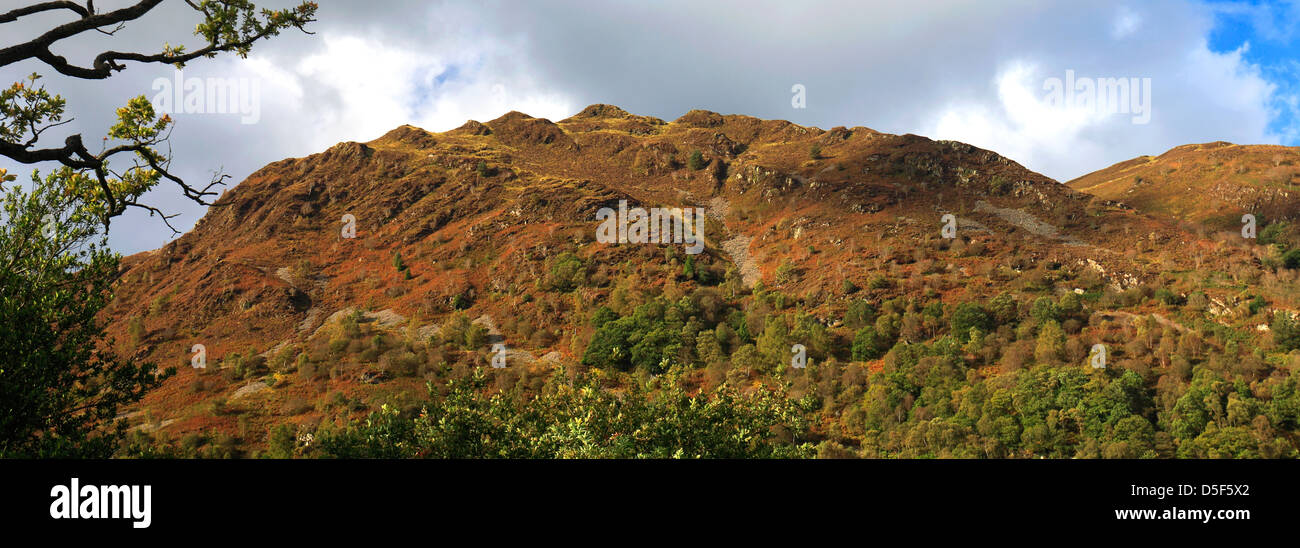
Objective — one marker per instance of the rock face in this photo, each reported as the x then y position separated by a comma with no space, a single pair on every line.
738,249
249,390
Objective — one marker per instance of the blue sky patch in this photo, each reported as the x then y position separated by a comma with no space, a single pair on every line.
1270,28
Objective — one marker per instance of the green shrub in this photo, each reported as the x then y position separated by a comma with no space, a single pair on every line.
673,421
475,337
1166,296
696,161
1291,259
281,442
306,369
786,272
567,272
351,324
399,364
159,304
999,185
1256,304
338,346
219,407
135,330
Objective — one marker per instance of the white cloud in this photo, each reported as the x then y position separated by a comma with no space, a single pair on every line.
357,88
1200,96
1020,123
944,68
1126,23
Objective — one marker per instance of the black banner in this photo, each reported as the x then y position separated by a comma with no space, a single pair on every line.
290,498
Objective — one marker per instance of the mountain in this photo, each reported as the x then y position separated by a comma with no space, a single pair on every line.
1211,184
836,240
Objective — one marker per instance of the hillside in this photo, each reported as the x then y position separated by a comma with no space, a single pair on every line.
1211,184
920,345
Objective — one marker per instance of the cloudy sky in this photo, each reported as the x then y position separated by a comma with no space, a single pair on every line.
980,71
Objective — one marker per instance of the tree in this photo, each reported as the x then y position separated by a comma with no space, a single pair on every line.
60,383
1044,310
28,110
609,345
1003,309
860,313
581,419
709,349
1286,331
868,344
281,442
1190,416
810,332
968,315
1051,343
774,343
601,316
1071,305
974,342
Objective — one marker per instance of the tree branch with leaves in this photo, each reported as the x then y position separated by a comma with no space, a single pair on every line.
61,384
27,110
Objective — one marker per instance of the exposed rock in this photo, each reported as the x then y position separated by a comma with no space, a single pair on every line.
249,390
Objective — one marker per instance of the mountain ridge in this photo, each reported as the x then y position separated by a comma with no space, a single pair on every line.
492,224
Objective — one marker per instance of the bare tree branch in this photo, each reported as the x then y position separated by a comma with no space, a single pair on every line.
105,64
39,47
46,6
166,219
